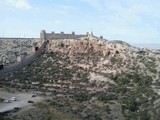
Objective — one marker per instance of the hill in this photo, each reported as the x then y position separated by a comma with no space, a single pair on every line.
92,79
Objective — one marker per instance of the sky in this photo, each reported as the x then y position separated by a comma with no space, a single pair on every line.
133,21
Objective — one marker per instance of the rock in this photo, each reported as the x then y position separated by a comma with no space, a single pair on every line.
13,48
83,114
60,95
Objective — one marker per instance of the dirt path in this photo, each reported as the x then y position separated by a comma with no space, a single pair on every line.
22,100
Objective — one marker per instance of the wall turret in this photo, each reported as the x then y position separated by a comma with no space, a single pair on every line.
43,35
90,35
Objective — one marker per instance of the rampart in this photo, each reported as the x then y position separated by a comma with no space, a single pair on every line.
62,35
27,61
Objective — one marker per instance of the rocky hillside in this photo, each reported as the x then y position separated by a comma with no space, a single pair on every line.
93,79
13,49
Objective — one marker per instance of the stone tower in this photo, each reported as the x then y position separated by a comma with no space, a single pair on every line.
90,34
43,36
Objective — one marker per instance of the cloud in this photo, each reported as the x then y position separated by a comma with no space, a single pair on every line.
20,4
133,20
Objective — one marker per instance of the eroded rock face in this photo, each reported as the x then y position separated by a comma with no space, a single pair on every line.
106,56
85,45
14,50
102,49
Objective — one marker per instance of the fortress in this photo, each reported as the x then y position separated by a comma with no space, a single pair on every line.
62,35
44,38
50,36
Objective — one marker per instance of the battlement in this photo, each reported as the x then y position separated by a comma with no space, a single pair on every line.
61,35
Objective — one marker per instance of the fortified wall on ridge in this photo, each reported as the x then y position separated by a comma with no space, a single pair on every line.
44,38
27,61
62,35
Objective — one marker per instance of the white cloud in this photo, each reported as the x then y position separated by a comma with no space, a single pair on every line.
133,20
20,4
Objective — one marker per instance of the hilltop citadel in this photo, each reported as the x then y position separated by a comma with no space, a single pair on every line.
42,42
47,40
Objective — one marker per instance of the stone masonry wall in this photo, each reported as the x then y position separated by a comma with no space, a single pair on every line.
13,48
62,35
25,62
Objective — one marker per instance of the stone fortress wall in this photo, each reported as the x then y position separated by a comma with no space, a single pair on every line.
62,35
29,60
15,49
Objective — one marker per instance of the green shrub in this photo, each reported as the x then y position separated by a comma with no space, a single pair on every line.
136,78
124,80
144,115
119,89
80,97
131,105
106,97
97,117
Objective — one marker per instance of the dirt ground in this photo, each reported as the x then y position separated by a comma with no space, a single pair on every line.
21,100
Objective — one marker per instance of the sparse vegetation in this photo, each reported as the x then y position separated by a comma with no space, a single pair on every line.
80,97
90,82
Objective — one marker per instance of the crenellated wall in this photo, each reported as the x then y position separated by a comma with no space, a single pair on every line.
62,35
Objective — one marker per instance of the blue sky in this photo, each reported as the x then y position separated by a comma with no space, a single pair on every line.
134,21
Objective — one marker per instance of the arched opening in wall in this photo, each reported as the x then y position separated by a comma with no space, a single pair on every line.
36,48
1,67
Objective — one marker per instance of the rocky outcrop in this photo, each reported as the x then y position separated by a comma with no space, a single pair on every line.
27,61
12,49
